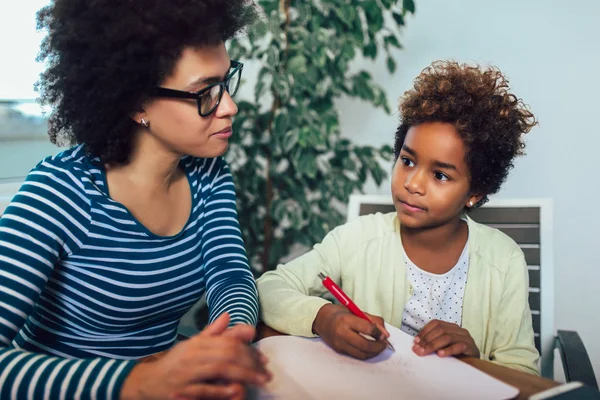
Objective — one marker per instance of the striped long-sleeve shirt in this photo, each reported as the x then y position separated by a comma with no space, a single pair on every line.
85,289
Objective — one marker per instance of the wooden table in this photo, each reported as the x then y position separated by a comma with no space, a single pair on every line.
526,383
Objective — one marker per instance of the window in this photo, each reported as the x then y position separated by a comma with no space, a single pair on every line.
23,139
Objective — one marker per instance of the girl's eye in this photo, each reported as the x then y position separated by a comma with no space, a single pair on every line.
440,176
407,162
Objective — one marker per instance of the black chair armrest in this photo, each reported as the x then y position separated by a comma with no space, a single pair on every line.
575,360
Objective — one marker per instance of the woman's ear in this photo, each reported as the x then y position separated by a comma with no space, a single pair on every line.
141,118
472,200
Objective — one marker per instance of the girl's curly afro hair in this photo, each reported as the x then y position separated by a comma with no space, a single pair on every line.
490,120
104,57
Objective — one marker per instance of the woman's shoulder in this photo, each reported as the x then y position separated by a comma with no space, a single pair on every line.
204,167
72,167
207,174
73,159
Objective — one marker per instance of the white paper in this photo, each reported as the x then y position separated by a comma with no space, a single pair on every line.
309,369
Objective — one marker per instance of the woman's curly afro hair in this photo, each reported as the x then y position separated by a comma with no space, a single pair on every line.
104,57
476,101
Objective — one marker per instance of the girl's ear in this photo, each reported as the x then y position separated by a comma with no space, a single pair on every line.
472,200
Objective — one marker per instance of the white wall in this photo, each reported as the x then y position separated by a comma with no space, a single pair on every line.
550,51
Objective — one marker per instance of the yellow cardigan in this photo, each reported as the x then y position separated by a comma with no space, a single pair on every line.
365,258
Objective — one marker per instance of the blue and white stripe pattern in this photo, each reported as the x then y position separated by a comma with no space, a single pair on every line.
85,288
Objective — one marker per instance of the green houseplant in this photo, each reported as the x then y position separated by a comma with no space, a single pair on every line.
294,171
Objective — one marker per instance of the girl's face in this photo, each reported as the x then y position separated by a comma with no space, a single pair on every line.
430,182
176,123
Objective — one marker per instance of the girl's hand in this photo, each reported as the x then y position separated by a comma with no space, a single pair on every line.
345,332
445,339
211,364
380,324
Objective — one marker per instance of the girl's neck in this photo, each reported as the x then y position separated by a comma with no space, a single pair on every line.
435,238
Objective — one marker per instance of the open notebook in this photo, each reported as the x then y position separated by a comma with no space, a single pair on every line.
308,369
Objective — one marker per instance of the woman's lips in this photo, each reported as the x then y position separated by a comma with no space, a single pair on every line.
224,133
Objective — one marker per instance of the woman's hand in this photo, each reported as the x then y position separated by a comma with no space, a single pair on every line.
445,339
345,332
217,363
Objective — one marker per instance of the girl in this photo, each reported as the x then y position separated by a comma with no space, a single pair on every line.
458,286
109,243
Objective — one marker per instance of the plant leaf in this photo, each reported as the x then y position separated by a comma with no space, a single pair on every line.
408,6
391,65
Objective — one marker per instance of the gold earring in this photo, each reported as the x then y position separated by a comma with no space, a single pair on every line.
145,123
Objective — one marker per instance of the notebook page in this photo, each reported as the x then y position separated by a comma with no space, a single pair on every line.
308,369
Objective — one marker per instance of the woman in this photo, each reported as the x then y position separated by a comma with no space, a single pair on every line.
109,243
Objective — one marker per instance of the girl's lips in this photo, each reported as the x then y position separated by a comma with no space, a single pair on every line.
410,207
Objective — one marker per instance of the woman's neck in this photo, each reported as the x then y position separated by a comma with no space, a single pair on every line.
151,166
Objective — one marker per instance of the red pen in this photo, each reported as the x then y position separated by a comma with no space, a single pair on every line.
345,300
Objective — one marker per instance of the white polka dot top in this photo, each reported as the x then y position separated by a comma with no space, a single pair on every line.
435,296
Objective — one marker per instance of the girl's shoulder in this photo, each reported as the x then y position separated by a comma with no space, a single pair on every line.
485,234
368,228
493,246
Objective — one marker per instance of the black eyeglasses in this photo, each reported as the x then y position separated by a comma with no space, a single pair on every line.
209,97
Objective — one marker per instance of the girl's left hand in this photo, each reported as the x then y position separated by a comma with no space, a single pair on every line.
445,339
